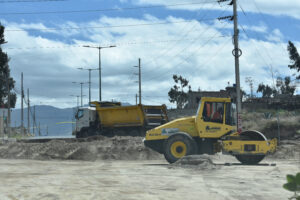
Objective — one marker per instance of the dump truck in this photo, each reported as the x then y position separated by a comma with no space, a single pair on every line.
111,118
212,130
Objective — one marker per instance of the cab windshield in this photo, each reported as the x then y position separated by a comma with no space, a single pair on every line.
79,114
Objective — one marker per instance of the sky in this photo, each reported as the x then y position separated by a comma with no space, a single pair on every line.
45,40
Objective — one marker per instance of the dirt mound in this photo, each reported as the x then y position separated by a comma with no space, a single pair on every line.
196,161
101,148
288,149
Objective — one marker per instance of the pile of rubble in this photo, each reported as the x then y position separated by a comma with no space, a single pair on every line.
102,148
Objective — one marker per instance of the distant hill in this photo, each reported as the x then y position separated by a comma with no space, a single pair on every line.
55,121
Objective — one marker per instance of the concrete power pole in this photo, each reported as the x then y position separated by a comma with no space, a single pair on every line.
33,127
8,103
249,80
136,97
28,114
39,128
237,53
22,105
140,83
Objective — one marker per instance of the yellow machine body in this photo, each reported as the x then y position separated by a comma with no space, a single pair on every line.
205,133
127,116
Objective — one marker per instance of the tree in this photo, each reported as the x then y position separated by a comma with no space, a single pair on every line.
266,90
285,86
177,94
5,78
294,57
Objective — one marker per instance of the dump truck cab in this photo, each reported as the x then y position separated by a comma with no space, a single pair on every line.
211,130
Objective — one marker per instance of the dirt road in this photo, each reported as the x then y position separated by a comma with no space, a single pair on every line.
56,180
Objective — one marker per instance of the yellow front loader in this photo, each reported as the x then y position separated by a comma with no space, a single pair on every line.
212,130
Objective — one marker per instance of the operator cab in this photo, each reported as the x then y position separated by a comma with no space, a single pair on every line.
215,117
214,112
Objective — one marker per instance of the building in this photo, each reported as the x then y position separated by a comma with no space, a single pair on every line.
195,97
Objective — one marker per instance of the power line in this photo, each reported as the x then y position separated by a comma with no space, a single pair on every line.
118,44
167,50
263,17
188,46
107,9
114,26
258,52
31,1
185,59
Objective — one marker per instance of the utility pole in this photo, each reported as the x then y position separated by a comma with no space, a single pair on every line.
140,82
136,96
90,82
28,114
81,95
33,127
8,103
100,81
22,105
249,80
77,97
237,53
39,128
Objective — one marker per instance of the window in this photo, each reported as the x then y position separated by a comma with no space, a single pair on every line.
213,112
230,114
79,114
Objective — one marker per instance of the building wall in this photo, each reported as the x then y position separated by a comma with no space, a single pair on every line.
195,97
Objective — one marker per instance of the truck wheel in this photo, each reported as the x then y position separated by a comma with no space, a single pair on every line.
250,159
177,146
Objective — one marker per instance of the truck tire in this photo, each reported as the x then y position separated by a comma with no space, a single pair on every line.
179,145
250,159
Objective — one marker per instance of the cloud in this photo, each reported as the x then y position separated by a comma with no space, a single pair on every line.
198,51
275,7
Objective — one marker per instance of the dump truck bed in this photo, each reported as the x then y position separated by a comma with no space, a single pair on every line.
129,116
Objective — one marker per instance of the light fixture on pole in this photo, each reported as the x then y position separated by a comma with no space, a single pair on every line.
99,48
89,69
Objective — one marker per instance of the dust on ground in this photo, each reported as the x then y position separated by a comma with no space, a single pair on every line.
117,148
135,180
99,148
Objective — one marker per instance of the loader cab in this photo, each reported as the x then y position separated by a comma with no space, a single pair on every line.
215,117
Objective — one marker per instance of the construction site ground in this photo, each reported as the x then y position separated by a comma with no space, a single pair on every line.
38,171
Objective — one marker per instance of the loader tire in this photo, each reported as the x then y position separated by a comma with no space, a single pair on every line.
250,159
177,146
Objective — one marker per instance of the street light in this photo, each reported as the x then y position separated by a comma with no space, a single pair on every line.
90,69
77,96
99,48
81,83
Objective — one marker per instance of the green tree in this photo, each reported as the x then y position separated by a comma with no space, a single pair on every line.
5,78
294,57
177,94
285,86
266,90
